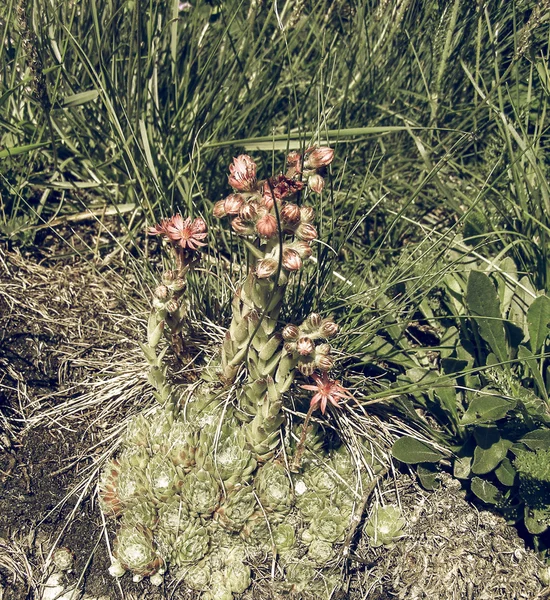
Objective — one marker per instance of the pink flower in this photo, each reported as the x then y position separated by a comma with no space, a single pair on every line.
279,187
182,232
291,260
318,157
219,209
305,346
327,391
243,174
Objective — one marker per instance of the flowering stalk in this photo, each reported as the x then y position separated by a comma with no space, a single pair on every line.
280,233
168,314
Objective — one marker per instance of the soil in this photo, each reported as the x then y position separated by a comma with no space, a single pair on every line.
61,330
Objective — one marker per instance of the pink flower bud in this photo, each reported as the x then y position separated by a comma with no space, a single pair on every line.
267,226
240,227
290,213
290,347
233,203
315,320
248,212
291,332
324,363
316,183
219,209
266,267
161,292
199,225
307,214
328,328
172,306
306,232
306,368
243,174
291,260
303,249
294,159
319,157
305,346
323,349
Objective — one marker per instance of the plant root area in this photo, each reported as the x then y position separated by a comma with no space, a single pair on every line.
63,329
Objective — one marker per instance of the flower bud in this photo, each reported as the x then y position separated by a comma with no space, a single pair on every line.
323,349
319,157
169,276
291,260
172,306
199,225
266,267
248,212
306,368
328,328
232,204
307,214
291,332
161,292
178,284
243,173
305,346
290,213
240,227
306,232
290,347
324,363
303,249
219,209
267,226
293,160
316,183
314,319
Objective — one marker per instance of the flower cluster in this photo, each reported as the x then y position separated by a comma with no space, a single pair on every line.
265,208
181,232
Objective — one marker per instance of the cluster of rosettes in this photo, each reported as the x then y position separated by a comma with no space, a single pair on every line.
192,498
264,208
300,342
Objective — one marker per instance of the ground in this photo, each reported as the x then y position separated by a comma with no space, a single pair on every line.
63,330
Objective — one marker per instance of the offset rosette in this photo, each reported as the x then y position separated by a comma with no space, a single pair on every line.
186,546
137,431
109,500
159,431
284,538
329,525
142,513
182,445
273,488
237,576
164,479
201,492
257,531
135,550
237,508
232,461
320,552
172,515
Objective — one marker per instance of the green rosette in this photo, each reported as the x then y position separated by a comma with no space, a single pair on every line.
164,479
329,525
182,445
201,492
274,490
187,546
237,508
135,550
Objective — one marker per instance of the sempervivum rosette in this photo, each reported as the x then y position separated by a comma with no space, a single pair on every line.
164,478
109,500
143,512
236,508
159,430
284,538
197,577
329,525
218,588
257,531
182,445
185,547
320,552
137,431
272,484
233,462
132,484
202,492
321,480
172,515
136,552
237,576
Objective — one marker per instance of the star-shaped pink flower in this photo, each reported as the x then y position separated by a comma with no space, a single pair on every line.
327,391
182,232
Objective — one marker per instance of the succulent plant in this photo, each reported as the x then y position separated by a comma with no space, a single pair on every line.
385,525
137,431
197,577
218,588
329,525
232,461
299,575
164,479
182,444
185,547
258,531
159,430
63,558
309,502
136,551
284,537
131,484
135,456
172,514
237,576
202,492
236,508
320,552
319,479
274,490
109,500
143,512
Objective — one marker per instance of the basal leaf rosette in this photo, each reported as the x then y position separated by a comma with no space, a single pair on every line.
384,526
137,431
143,512
135,550
165,480
109,500
237,576
284,538
182,445
274,489
201,491
237,508
329,525
319,479
159,431
187,546
232,461
197,577
218,588
320,552
172,515
257,531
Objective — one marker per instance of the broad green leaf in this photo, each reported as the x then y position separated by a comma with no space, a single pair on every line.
488,457
506,473
447,396
532,365
412,451
485,491
462,467
484,306
507,277
80,98
537,440
522,300
538,318
536,521
486,409
428,473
